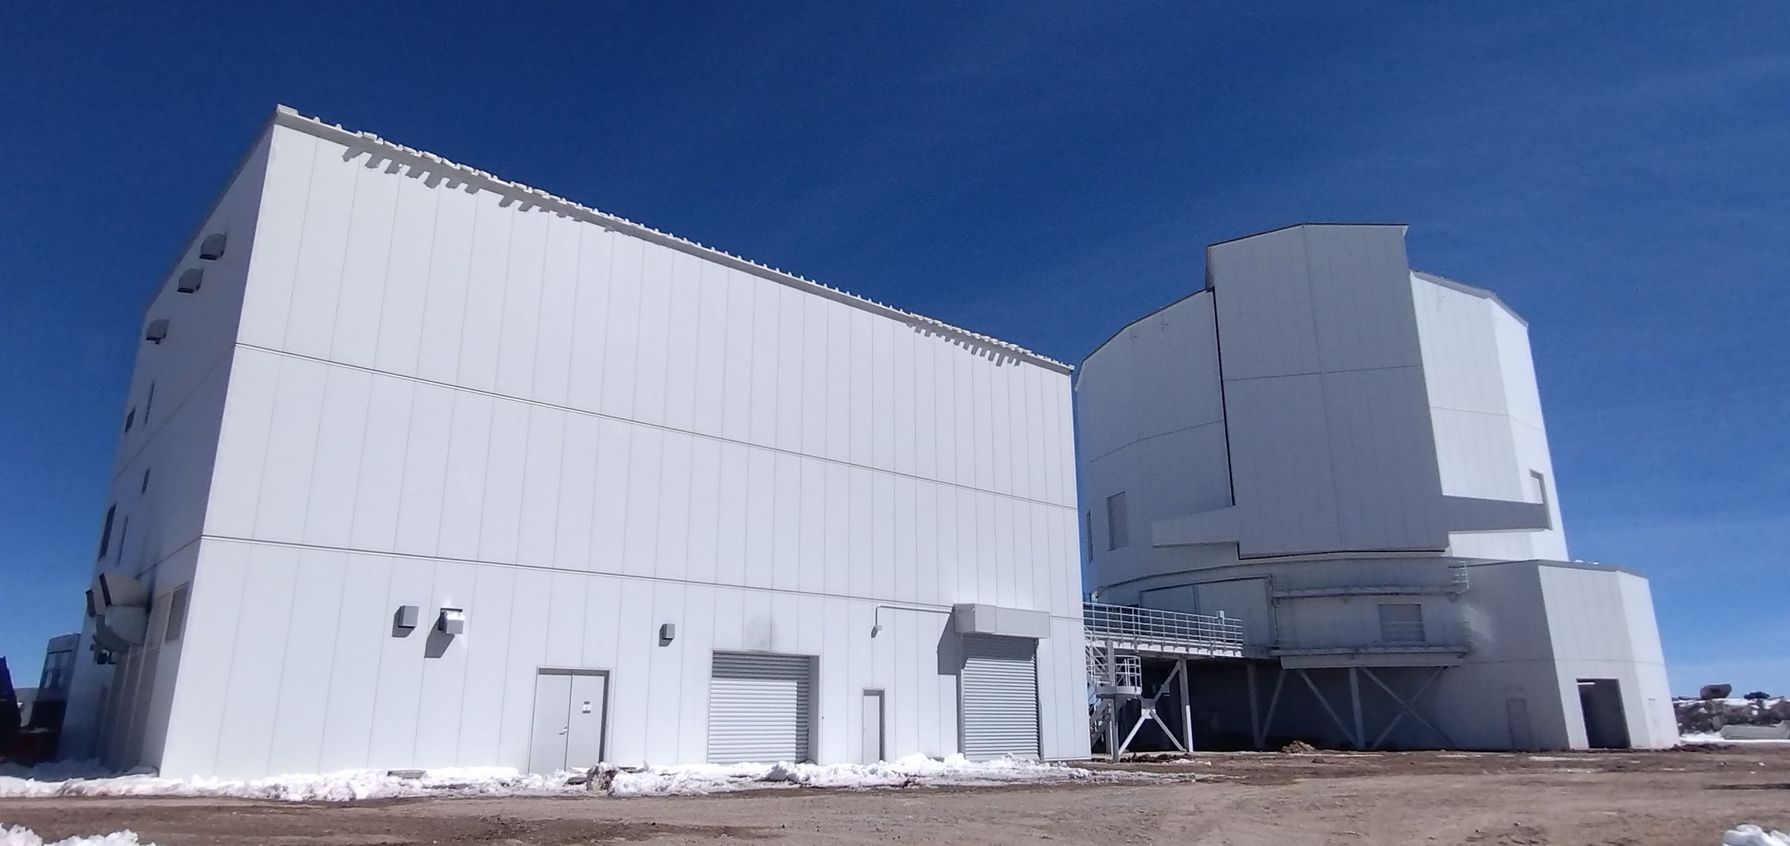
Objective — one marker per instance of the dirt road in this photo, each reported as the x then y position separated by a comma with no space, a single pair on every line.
1683,798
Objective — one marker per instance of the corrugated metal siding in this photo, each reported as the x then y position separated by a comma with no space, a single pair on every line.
1000,697
759,707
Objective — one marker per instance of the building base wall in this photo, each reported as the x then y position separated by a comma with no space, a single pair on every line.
294,664
1534,634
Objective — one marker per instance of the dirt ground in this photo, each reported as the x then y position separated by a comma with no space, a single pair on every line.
1681,798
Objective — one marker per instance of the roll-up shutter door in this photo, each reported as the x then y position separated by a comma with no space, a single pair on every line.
759,707
1000,697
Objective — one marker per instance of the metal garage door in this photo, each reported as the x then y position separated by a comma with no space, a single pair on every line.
759,707
1000,697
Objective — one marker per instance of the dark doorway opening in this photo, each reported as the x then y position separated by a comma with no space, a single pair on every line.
1606,726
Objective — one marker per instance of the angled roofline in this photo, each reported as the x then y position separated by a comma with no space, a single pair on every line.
1146,316
198,230
473,180
1297,226
1470,290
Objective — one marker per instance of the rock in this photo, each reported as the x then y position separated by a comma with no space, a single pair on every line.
1299,746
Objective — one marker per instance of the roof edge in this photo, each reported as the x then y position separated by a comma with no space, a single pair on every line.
1301,225
530,197
1470,290
1139,319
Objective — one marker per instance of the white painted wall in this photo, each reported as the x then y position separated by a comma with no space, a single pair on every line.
119,713
1603,627
576,434
1485,410
1365,419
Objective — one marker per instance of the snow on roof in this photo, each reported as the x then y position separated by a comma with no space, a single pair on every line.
441,169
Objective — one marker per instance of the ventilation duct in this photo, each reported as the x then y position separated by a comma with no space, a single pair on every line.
190,280
121,628
113,589
212,248
120,606
158,329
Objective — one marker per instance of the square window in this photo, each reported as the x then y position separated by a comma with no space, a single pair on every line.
1401,622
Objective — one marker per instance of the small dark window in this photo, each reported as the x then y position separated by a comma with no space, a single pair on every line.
177,602
145,487
148,403
1538,485
124,531
130,419
1118,522
105,533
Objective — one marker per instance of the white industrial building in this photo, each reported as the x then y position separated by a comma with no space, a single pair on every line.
421,467
1348,461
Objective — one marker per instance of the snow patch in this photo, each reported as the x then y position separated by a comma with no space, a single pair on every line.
346,786
21,836
911,771
693,779
1708,737
1752,835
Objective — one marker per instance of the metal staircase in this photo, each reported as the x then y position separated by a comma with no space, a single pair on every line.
1119,637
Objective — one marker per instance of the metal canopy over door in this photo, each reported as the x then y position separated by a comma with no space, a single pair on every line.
759,707
568,724
999,698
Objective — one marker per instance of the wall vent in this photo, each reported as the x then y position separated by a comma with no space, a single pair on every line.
212,248
158,329
190,280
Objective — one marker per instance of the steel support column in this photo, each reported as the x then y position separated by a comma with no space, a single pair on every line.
1186,709
1355,700
1255,714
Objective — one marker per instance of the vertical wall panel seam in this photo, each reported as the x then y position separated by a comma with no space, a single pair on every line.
378,664
460,730
385,273
303,216
422,682
428,279
285,648
334,642
1336,492
342,272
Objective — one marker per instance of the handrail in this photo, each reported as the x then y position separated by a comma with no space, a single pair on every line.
1124,622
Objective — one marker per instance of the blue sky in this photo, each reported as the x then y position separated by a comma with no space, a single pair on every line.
1618,172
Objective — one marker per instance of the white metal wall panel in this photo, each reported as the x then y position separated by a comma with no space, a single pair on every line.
1000,697
551,394
760,707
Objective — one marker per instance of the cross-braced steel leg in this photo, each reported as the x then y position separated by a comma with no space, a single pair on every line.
1149,712
1280,678
1409,707
1334,717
